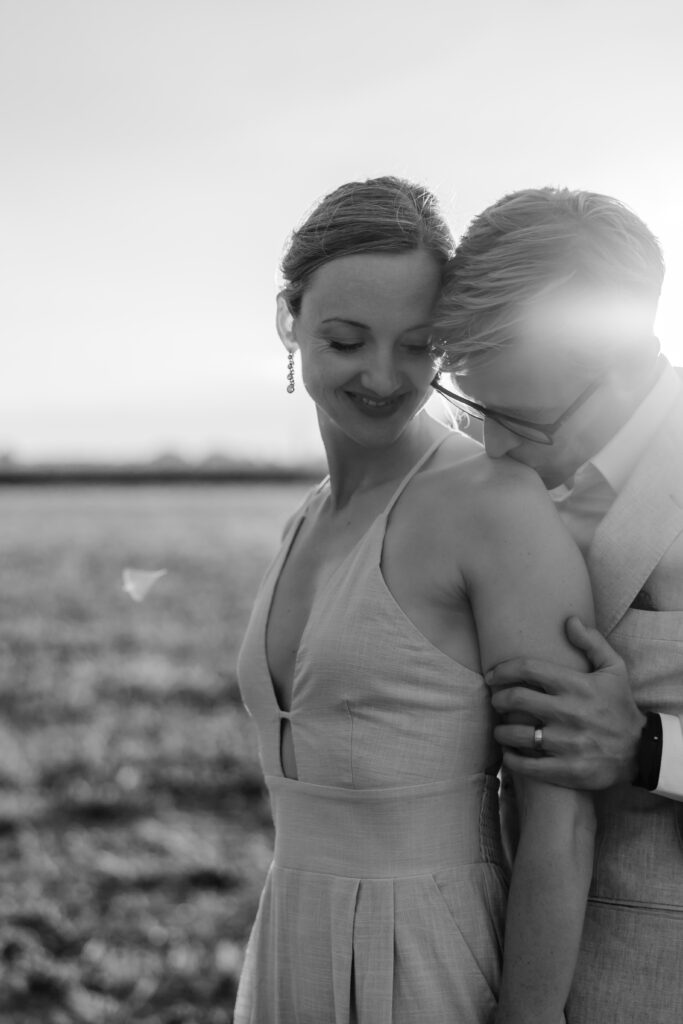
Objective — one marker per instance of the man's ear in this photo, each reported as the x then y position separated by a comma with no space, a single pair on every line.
655,348
635,362
284,321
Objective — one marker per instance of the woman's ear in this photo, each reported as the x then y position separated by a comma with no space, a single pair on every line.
284,321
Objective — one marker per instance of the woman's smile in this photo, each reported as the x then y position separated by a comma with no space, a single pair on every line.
376,406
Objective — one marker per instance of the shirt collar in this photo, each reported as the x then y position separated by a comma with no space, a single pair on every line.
618,458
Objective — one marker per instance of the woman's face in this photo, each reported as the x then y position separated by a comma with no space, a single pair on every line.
363,332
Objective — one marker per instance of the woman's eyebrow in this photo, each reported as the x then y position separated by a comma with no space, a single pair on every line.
343,320
418,327
366,327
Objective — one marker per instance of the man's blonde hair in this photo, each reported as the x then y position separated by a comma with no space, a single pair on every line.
527,242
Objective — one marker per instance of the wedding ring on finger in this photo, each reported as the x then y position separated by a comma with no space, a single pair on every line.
538,739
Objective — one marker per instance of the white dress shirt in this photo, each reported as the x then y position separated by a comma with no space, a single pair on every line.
586,501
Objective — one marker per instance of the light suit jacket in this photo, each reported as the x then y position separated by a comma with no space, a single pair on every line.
630,968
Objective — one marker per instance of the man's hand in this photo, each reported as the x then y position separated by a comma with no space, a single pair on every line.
591,723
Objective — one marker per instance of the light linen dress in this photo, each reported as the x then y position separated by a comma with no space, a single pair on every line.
385,899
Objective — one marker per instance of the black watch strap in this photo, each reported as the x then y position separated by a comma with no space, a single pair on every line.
649,752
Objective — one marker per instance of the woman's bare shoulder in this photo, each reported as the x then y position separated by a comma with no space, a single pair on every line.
480,509
467,477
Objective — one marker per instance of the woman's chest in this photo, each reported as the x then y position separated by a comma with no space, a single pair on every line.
303,586
423,578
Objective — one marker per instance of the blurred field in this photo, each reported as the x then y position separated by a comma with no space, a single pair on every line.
134,832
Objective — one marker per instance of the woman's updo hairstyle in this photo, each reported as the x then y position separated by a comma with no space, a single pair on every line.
385,214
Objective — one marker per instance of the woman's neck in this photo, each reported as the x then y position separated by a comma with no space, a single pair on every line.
355,469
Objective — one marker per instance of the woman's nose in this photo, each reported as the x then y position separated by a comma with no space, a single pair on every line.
381,376
497,440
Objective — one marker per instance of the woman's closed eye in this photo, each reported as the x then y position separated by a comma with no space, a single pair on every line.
343,344
417,342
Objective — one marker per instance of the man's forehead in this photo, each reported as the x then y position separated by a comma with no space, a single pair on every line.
578,314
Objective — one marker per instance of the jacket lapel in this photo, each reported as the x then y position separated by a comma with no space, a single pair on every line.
643,522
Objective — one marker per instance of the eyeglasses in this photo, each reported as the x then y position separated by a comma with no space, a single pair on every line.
539,433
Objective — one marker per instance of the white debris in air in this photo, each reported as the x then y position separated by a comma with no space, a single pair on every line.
137,583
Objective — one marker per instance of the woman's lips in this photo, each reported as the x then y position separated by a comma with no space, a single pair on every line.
377,408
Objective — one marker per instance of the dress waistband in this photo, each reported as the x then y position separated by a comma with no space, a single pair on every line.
385,832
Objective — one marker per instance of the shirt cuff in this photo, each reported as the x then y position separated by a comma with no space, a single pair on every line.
670,783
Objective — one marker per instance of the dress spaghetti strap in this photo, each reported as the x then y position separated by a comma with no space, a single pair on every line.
295,520
413,472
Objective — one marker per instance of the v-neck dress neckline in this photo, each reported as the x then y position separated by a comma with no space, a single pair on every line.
379,522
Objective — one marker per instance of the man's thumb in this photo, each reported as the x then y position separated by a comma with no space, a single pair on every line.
591,642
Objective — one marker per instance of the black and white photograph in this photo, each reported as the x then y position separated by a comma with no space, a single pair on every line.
341,512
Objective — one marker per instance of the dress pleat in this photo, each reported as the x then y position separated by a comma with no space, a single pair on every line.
373,951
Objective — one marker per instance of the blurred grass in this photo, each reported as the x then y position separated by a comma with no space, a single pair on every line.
134,829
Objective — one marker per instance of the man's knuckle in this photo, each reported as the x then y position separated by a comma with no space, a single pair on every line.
575,721
571,743
584,748
584,690
500,701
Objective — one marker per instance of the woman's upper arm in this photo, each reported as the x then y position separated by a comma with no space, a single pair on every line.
525,575
529,579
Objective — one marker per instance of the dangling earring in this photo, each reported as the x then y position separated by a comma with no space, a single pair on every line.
290,373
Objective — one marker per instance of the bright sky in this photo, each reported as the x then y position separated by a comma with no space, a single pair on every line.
156,153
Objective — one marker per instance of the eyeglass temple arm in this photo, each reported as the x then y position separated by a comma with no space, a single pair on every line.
457,398
583,397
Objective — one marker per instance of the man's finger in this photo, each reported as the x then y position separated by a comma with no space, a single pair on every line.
592,643
521,737
526,701
554,770
550,677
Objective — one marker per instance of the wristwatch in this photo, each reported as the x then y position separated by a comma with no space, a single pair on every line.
649,755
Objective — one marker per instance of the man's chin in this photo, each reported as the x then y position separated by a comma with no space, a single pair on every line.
550,476
550,479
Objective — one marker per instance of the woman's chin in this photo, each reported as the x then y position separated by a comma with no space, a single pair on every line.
378,434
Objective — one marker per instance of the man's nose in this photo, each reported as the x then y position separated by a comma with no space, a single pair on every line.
497,440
